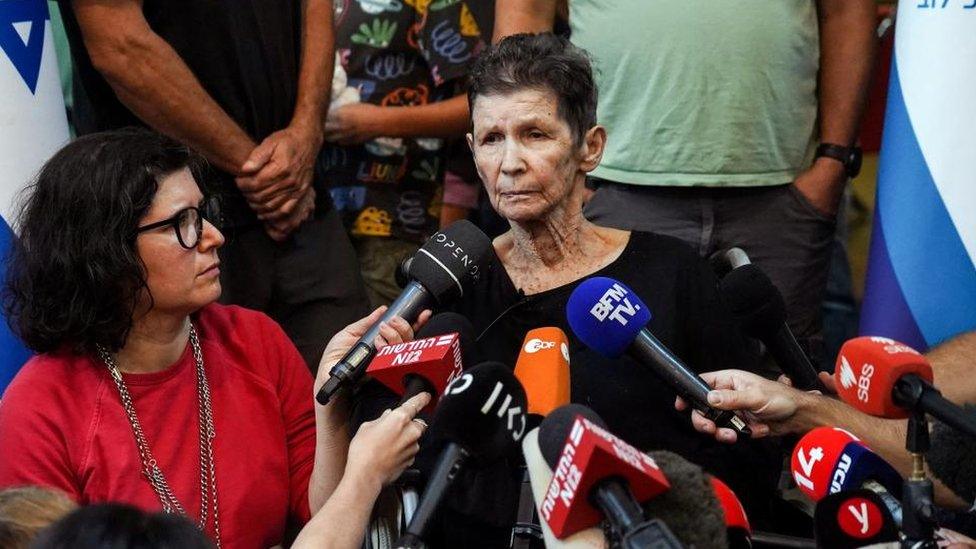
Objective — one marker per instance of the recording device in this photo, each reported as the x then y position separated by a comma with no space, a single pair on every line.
426,364
439,272
595,475
853,518
951,459
543,369
759,309
885,378
610,319
480,418
828,460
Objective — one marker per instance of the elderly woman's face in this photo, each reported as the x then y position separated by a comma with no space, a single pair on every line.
181,280
524,152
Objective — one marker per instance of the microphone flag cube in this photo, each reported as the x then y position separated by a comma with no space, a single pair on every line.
437,358
867,369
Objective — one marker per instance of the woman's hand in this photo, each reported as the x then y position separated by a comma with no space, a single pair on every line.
384,447
396,330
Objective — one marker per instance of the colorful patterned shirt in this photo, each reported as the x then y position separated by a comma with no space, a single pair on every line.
397,53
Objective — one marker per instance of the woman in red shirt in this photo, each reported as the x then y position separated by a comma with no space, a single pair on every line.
147,392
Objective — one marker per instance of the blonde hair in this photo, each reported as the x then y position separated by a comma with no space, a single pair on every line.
26,510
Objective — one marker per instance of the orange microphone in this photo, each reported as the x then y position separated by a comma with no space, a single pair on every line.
543,369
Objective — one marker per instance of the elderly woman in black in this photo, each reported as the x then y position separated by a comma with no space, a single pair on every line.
534,138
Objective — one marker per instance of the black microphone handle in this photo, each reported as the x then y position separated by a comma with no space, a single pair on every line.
449,463
613,496
913,392
792,360
653,534
408,305
413,385
689,385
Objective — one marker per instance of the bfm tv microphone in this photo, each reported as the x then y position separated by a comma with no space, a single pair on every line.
610,319
595,475
480,418
759,309
543,369
885,378
951,458
853,518
439,272
828,460
426,364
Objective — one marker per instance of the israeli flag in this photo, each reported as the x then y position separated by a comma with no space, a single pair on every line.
33,126
921,282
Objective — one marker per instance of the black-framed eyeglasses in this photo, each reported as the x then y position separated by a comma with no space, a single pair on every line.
188,223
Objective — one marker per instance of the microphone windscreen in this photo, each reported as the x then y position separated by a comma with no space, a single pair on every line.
951,458
754,301
689,508
483,410
867,369
853,518
606,315
450,258
449,322
543,369
554,429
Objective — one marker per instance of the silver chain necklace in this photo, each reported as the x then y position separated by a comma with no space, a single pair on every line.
208,481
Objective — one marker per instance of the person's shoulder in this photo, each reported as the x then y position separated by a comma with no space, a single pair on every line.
249,338
233,318
48,381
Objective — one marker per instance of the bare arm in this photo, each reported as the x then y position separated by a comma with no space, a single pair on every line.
315,75
360,122
151,79
515,16
952,363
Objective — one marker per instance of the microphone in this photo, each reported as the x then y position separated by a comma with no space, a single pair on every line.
438,272
480,419
828,460
853,518
610,319
737,526
595,475
951,457
543,369
426,364
724,261
759,309
885,378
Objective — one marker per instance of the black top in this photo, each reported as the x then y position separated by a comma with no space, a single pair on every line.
689,318
245,54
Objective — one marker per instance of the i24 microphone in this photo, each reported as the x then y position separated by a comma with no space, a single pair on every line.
828,460
595,475
439,272
610,319
759,309
480,418
885,378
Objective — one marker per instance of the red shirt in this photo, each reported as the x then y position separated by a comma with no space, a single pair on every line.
62,425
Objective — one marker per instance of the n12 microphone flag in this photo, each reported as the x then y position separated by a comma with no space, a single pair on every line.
33,125
921,281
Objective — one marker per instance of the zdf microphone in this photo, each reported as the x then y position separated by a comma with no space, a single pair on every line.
885,378
828,460
439,272
543,369
610,319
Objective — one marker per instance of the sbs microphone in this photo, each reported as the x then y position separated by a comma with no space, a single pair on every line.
480,419
951,458
853,518
438,274
595,475
610,319
885,378
543,369
429,362
828,460
759,310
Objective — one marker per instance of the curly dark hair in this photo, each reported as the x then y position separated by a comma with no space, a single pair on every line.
73,275
541,62
118,525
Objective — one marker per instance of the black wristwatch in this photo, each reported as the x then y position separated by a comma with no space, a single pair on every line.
850,157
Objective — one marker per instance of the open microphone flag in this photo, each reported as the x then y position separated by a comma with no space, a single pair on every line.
33,125
921,281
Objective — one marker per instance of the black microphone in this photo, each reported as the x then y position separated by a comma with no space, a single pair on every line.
761,313
724,261
480,419
611,319
951,457
438,272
